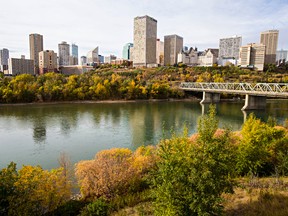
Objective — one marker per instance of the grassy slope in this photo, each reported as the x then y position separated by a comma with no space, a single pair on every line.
264,196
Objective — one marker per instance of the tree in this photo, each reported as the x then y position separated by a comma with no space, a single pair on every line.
32,190
191,175
114,172
260,147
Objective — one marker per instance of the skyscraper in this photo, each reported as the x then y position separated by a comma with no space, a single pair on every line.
173,44
4,56
126,51
74,56
145,36
36,46
270,40
229,48
64,53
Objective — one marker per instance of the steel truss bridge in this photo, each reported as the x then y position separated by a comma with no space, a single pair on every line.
254,89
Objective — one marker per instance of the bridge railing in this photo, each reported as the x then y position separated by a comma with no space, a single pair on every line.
238,87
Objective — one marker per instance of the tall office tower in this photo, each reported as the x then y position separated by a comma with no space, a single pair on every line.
270,40
126,51
74,56
83,60
64,53
145,36
36,46
229,48
173,44
160,52
4,56
92,56
47,61
253,55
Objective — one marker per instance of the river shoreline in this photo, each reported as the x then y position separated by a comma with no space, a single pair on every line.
100,101
192,99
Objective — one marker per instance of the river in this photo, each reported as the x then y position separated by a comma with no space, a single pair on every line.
37,134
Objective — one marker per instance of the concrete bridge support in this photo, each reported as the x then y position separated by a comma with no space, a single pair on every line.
210,98
254,102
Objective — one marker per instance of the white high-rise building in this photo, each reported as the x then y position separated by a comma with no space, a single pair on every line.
64,53
145,37
93,56
281,56
229,49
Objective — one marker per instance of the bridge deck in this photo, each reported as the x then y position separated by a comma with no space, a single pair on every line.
257,89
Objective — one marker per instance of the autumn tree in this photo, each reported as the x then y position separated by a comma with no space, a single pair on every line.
191,175
114,172
32,190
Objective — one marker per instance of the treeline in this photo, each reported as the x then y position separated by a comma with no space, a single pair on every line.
179,176
88,86
122,83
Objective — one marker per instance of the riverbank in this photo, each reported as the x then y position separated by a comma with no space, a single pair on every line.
192,99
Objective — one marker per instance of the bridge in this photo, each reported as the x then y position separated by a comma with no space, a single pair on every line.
256,93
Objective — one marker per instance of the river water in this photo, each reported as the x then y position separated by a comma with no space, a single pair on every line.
37,134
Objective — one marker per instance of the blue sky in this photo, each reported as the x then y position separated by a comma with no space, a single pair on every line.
109,23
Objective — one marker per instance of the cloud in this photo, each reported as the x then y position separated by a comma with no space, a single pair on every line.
109,24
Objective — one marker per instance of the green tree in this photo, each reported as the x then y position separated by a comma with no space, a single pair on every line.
192,174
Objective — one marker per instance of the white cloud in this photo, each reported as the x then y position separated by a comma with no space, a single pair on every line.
109,23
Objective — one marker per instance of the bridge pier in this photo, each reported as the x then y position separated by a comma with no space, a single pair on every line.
254,102
210,98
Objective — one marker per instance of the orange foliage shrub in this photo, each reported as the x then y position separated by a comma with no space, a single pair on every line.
114,172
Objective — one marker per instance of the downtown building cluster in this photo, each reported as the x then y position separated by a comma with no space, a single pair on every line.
146,51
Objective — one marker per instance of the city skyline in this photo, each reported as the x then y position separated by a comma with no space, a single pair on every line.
200,24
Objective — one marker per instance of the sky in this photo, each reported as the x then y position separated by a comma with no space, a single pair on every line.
109,23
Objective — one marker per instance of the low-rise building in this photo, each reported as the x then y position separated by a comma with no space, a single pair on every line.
121,62
208,57
47,61
188,57
75,69
160,52
253,56
20,66
108,59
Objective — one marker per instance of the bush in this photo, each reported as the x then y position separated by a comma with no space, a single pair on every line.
115,172
97,208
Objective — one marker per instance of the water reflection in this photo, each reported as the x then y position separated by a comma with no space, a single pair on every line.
36,134
39,133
